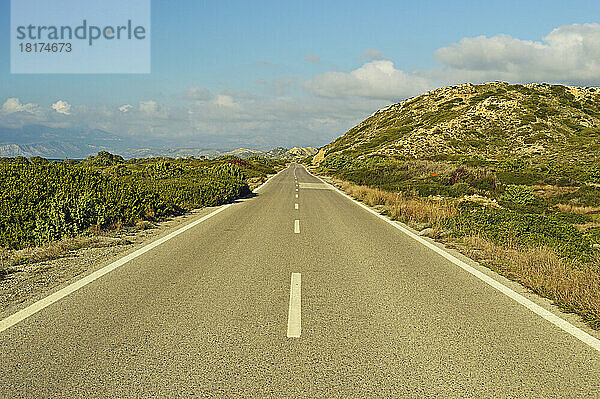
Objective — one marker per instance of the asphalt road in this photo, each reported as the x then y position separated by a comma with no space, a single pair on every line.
209,314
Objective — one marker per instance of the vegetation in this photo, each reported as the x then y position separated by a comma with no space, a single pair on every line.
510,173
44,201
551,124
535,222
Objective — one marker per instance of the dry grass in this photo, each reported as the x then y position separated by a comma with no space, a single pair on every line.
256,182
548,191
410,210
582,210
586,226
52,250
144,225
572,285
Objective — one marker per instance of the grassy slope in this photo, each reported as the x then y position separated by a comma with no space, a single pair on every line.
541,122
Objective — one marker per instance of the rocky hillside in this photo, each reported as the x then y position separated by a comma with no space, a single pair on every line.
52,150
491,121
291,154
299,152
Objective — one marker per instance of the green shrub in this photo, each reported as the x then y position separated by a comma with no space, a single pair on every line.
520,177
593,235
594,173
520,195
508,227
338,161
512,165
104,158
460,189
41,202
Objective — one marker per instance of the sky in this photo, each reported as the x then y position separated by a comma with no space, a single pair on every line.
262,74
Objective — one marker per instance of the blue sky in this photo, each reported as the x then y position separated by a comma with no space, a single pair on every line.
284,73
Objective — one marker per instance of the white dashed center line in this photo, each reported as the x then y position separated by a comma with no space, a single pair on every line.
296,226
296,195
294,326
295,206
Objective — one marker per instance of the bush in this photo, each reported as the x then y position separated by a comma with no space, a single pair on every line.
520,177
45,202
594,173
338,161
512,165
511,228
460,189
519,194
104,158
459,175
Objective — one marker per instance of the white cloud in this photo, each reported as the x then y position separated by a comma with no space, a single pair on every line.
568,54
223,100
287,121
282,86
375,79
62,107
198,93
125,108
12,105
148,107
372,54
226,121
312,58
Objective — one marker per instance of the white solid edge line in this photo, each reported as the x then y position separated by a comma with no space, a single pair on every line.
296,226
69,289
535,308
294,325
266,181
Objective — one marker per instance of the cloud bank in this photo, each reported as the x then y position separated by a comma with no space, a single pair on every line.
375,79
568,54
62,107
300,111
13,105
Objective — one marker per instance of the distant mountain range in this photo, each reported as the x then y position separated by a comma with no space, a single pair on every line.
278,152
60,143
47,142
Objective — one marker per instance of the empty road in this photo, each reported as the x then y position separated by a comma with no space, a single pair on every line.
295,292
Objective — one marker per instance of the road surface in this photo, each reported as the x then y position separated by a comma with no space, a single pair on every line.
296,292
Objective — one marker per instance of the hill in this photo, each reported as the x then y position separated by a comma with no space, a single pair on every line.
299,152
492,121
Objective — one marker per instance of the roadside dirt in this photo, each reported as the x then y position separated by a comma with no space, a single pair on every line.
29,282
